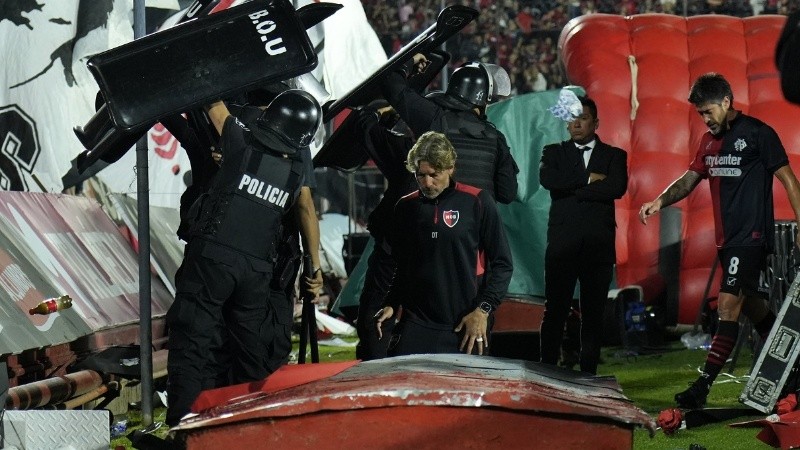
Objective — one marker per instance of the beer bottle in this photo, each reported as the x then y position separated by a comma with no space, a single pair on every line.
52,305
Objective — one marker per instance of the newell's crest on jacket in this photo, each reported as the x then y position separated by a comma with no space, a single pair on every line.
450,218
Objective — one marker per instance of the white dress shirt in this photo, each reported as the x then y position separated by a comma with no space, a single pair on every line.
587,153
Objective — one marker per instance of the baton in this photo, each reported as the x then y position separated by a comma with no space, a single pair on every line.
308,320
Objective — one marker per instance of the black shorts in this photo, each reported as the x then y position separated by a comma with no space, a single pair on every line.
744,270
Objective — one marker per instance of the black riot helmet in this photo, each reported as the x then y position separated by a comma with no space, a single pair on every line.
289,122
472,83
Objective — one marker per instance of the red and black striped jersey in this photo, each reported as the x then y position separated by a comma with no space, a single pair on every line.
739,165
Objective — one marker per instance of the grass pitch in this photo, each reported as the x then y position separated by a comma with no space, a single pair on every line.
650,379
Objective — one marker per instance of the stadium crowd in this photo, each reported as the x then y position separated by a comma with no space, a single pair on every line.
522,36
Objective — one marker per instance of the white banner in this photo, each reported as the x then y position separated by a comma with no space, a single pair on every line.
352,53
46,90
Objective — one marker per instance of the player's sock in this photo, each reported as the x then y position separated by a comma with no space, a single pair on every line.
721,348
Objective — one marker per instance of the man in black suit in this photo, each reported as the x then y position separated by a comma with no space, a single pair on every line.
584,177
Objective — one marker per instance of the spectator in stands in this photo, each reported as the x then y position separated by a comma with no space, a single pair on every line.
770,7
453,260
405,11
584,176
668,6
471,48
534,80
525,20
548,17
786,7
554,19
739,155
496,24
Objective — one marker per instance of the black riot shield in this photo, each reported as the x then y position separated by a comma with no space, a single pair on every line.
337,152
106,143
100,124
340,151
451,20
201,61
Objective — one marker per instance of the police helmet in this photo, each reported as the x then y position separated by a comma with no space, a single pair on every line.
472,83
289,122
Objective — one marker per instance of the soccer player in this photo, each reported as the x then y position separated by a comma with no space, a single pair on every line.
739,154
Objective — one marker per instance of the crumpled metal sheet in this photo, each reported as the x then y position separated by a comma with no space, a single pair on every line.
461,381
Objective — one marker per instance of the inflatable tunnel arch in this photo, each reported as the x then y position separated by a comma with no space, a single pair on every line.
639,70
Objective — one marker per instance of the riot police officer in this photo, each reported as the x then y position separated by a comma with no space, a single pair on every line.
484,159
388,149
229,260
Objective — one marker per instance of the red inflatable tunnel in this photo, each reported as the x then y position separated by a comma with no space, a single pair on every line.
639,70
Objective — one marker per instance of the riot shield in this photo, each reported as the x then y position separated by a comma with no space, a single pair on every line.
451,20
100,124
341,152
201,61
106,144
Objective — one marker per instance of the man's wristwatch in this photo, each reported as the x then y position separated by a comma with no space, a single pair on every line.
486,307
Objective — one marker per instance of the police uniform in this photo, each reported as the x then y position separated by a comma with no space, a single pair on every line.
484,158
227,268
452,255
287,261
389,151
282,284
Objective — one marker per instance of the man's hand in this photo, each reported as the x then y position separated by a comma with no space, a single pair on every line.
475,325
649,209
385,110
313,285
596,177
386,313
420,64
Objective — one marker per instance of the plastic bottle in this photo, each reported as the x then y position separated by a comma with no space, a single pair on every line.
119,428
694,341
52,305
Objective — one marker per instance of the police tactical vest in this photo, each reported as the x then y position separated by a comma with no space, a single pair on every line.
245,205
476,144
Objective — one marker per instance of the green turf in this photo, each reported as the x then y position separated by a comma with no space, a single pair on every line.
326,354
650,381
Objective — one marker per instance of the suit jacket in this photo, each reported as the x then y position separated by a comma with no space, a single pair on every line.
582,223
